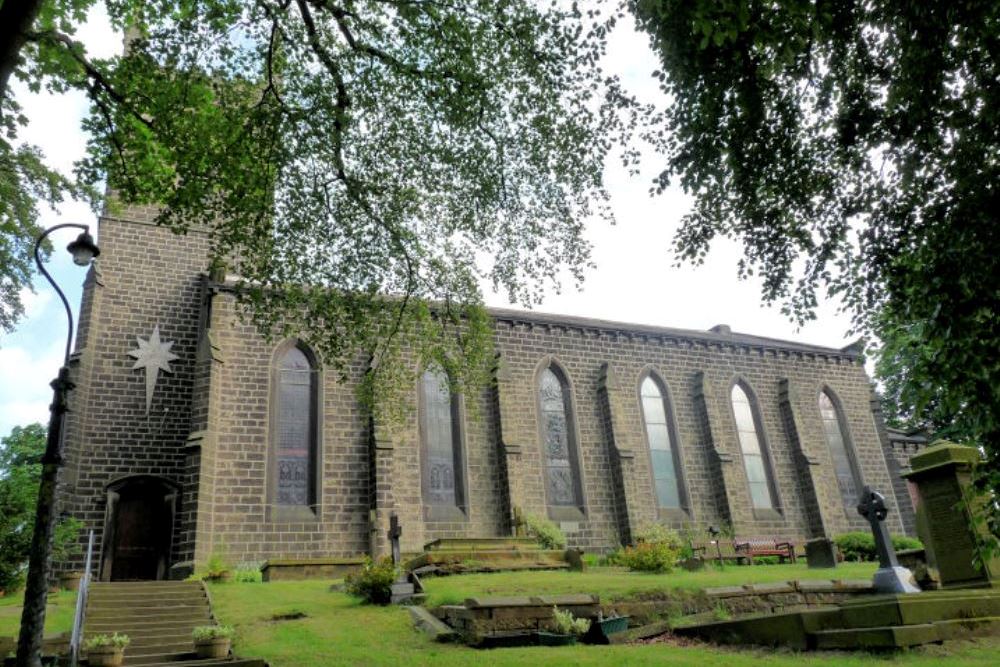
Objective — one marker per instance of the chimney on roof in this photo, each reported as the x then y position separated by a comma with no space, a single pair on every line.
721,329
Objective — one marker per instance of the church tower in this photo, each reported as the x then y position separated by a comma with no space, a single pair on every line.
127,473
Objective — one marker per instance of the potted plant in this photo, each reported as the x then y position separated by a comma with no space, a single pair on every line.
106,650
70,581
604,626
567,629
212,641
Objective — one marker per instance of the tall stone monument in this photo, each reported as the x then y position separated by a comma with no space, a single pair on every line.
890,577
946,507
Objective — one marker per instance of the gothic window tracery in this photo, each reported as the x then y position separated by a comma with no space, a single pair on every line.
558,447
442,442
295,433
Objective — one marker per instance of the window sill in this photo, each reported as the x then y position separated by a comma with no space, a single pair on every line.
293,513
444,513
768,515
564,513
673,514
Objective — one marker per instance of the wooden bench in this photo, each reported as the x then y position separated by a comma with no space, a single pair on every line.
752,547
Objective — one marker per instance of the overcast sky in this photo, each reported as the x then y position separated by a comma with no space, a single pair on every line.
634,279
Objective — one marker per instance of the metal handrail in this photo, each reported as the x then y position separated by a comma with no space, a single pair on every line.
81,606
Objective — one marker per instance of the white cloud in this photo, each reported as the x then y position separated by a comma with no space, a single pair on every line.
24,384
34,302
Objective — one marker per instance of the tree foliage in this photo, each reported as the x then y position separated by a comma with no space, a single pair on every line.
20,474
353,160
851,146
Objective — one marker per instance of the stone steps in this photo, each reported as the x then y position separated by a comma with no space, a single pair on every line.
158,617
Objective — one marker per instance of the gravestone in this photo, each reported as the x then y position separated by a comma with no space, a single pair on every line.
946,506
890,576
821,552
402,588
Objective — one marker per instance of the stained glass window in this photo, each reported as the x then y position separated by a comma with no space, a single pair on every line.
754,457
557,442
661,447
442,444
296,428
842,464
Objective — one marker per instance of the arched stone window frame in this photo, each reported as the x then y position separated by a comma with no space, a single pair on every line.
311,510
683,511
441,512
577,511
765,447
850,507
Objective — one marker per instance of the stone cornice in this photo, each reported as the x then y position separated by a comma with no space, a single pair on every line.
718,337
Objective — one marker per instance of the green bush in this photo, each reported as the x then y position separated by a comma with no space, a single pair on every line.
657,549
373,582
651,557
216,568
545,532
902,543
247,573
860,546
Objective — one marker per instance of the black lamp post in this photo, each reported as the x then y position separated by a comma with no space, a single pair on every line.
29,644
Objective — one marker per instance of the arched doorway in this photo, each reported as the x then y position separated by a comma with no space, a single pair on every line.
138,529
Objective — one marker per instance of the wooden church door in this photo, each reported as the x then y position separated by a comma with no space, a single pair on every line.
138,530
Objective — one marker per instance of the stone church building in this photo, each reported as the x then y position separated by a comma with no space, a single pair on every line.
191,435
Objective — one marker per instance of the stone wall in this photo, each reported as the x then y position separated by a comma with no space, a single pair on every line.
209,428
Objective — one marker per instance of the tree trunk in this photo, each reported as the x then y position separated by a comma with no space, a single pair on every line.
16,17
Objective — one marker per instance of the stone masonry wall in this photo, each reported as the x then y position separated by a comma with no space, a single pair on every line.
209,429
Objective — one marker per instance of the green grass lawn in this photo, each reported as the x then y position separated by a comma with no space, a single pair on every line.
615,583
338,630
58,614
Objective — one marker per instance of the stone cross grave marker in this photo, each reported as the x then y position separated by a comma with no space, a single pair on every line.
394,532
890,576
402,588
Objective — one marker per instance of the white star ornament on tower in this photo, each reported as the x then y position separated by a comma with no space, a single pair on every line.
154,356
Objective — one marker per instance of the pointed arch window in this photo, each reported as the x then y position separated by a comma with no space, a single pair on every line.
441,442
562,474
844,466
660,434
755,456
295,429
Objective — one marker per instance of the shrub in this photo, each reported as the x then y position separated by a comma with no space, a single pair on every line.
651,557
860,546
655,533
546,533
215,568
206,632
902,543
616,557
116,640
567,624
657,549
247,573
373,582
